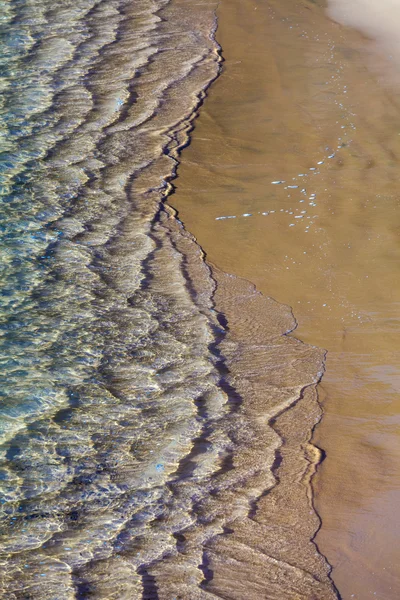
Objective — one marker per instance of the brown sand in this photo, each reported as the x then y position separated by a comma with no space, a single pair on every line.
297,88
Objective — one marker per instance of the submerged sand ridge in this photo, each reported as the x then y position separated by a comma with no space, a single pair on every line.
291,181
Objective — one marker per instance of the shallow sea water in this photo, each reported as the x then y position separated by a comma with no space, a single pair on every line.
148,443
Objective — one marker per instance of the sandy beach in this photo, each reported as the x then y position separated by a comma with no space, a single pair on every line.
291,181
199,304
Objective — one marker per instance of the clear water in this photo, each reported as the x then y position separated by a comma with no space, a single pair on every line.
146,447
105,358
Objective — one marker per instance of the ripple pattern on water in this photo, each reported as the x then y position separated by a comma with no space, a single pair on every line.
106,366
127,448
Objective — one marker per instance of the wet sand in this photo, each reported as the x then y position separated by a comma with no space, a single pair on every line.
302,101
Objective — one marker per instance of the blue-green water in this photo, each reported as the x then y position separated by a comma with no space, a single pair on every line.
100,376
137,422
